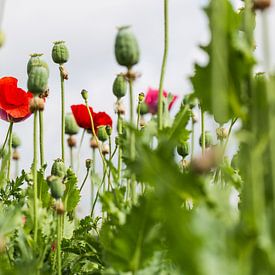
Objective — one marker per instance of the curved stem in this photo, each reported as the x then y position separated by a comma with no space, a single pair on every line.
163,67
9,152
34,172
85,179
62,117
6,139
41,137
78,153
202,132
229,132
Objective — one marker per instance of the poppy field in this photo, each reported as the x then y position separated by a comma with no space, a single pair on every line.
162,198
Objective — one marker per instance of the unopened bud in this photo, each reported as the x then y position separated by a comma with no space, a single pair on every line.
85,94
88,163
108,130
101,133
141,97
36,104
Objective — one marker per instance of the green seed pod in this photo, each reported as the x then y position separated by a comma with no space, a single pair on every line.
15,141
144,108
58,168
71,127
101,133
120,86
2,39
208,139
38,80
126,48
108,129
60,52
183,149
57,186
35,60
190,100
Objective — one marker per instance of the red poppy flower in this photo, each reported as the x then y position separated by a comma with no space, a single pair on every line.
81,115
14,102
102,119
151,99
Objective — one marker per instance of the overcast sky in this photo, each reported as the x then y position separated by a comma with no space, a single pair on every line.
89,29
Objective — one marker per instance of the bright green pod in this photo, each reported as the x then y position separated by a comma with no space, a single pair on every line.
60,52
2,39
38,80
71,127
35,60
126,47
58,168
57,187
183,149
120,86
15,141
102,133
208,139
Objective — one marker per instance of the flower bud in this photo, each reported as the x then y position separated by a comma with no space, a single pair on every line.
261,4
120,86
88,163
71,127
38,80
108,130
58,168
101,133
2,39
144,109
56,186
105,149
60,52
222,133
36,104
35,60
85,94
126,47
71,141
208,139
15,155
141,97
93,143
59,207
15,141
183,149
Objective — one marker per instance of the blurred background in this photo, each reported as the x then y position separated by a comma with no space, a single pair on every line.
89,29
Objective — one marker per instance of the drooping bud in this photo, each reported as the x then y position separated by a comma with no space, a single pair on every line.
93,143
60,52
126,47
71,127
101,133
88,163
59,207
15,141
85,94
36,104
120,86
2,39
15,155
183,149
38,80
108,130
222,133
144,109
208,139
71,141
261,4
35,60
105,149
57,187
58,168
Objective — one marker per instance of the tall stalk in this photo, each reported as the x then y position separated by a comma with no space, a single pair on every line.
163,67
41,137
192,138
119,161
202,132
10,151
110,159
34,172
62,116
59,236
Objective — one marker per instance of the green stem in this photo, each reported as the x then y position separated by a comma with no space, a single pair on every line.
6,139
229,133
71,158
119,164
85,179
110,159
163,67
138,115
34,171
41,138
59,263
62,117
79,148
202,132
9,152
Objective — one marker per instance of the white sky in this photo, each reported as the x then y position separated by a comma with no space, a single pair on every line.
89,28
